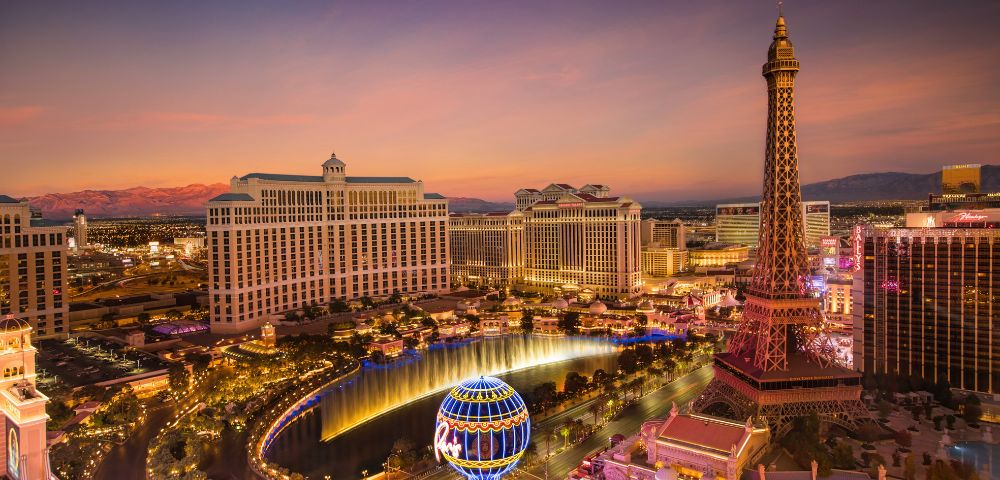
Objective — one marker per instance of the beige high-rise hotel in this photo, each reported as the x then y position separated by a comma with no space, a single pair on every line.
279,242
573,239
32,270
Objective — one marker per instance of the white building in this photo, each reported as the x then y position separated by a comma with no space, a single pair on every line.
32,270
739,223
487,249
278,242
24,447
80,228
557,240
582,239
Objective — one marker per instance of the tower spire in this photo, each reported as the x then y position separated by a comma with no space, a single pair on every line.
780,365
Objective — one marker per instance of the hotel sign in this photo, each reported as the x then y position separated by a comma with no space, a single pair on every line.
966,217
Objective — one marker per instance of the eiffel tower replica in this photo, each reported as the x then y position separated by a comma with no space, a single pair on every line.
780,365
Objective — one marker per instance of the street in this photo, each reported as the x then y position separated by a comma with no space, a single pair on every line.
655,404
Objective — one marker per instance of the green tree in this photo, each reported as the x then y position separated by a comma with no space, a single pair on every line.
842,456
884,408
527,322
575,383
570,323
338,305
143,318
628,361
178,377
972,408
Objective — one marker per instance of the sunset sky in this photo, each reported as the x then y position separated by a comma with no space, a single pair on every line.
659,99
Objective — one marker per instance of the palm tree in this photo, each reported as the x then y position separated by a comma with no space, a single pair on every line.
564,431
595,409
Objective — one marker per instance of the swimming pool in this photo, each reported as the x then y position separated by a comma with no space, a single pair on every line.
978,454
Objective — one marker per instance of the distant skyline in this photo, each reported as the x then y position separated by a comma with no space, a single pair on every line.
660,100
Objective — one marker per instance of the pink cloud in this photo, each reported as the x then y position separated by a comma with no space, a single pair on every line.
19,115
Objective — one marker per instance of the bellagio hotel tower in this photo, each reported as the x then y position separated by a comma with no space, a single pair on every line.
280,242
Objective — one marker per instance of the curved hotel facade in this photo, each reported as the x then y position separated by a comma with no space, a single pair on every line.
280,242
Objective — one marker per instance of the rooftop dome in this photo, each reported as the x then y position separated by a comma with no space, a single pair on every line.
598,308
333,161
12,324
560,303
512,301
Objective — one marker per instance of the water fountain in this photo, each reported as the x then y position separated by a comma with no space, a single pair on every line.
378,389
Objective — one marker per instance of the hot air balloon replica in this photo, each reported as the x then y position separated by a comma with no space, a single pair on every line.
482,428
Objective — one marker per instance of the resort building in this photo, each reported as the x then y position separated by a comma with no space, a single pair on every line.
739,223
487,249
583,240
664,233
32,270
685,446
924,302
278,242
664,247
558,240
714,255
663,261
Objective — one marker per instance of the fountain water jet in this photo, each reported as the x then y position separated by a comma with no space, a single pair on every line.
378,389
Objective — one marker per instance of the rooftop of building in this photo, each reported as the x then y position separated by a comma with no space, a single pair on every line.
232,197
6,199
279,177
799,368
703,432
434,196
719,246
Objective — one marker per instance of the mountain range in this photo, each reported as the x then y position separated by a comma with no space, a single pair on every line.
190,200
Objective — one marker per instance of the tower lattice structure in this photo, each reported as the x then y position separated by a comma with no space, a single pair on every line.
780,365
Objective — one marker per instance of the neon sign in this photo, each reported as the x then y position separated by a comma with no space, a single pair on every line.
442,445
858,241
968,217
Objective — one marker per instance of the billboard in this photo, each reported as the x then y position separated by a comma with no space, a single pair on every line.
748,210
817,208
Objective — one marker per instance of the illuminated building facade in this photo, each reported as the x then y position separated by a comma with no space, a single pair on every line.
279,242
960,178
963,201
718,255
664,247
25,452
33,270
80,228
925,302
583,241
739,223
664,233
663,261
779,365
686,446
487,249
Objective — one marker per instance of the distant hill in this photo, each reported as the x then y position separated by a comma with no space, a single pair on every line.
189,200
874,186
475,205
136,201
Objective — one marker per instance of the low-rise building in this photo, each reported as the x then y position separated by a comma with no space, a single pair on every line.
714,255
685,446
